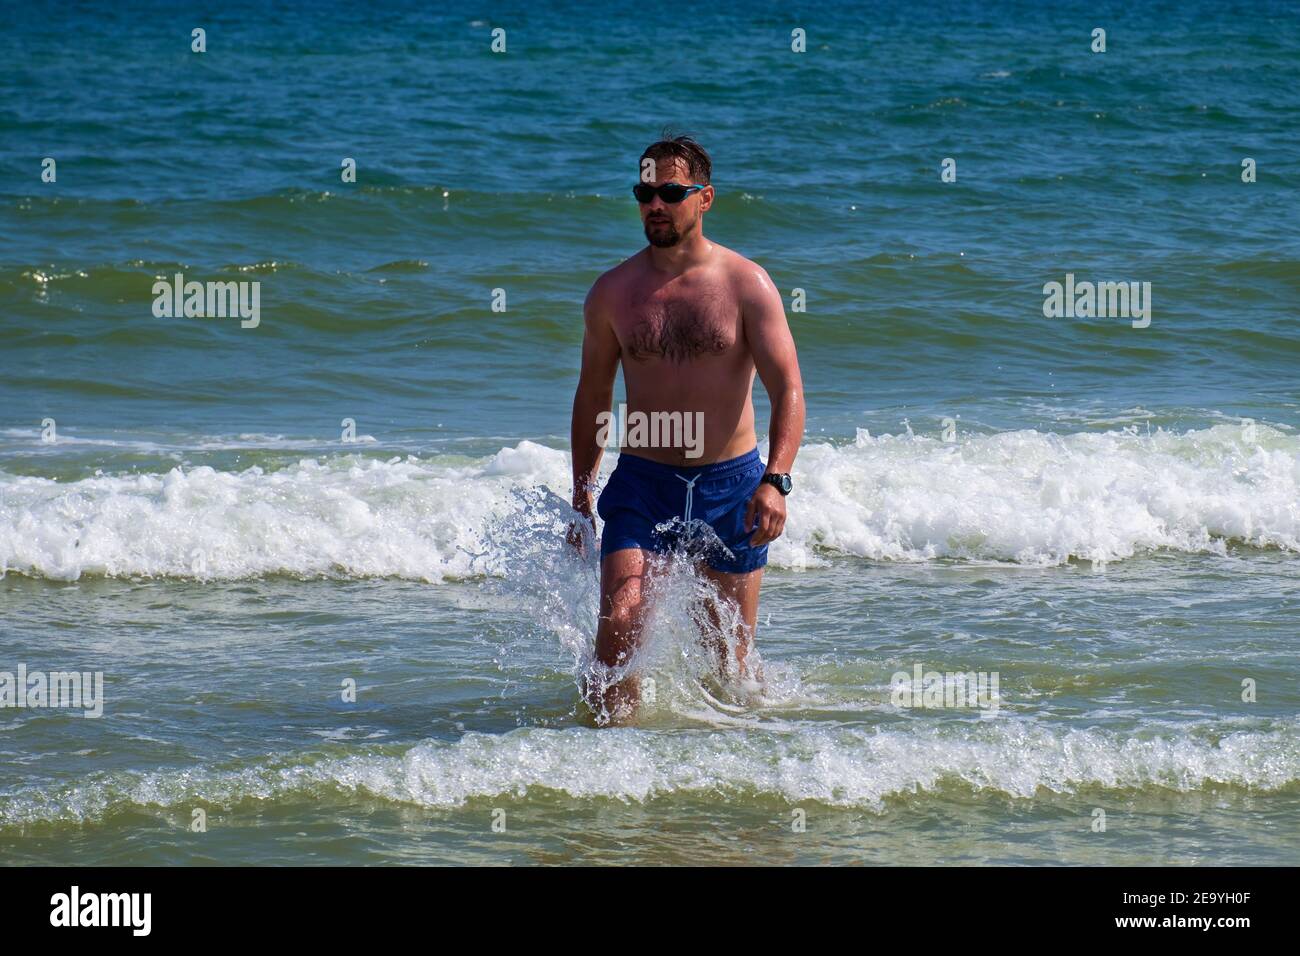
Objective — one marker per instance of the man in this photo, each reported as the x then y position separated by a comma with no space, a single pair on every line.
691,322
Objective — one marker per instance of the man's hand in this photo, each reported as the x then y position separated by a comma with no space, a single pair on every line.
577,532
765,515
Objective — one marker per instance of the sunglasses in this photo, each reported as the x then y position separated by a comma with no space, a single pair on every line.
671,193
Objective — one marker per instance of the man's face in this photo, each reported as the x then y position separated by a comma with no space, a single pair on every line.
666,224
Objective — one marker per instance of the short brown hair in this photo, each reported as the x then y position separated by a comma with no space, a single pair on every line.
684,148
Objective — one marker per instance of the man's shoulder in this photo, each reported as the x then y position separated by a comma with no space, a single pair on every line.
610,287
747,277
625,270
613,279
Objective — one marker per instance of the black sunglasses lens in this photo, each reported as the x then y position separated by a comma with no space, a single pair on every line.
669,192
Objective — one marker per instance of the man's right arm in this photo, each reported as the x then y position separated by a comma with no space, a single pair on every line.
595,393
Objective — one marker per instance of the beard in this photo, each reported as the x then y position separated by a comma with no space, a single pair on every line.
662,233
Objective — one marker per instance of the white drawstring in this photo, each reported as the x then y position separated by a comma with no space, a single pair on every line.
690,491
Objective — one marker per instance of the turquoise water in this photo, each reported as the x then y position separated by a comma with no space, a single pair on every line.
1110,523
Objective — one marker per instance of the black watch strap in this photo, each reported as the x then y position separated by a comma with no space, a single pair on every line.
781,482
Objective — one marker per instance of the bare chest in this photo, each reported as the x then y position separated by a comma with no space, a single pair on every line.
678,326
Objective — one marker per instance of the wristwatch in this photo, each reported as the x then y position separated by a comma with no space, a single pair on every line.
781,483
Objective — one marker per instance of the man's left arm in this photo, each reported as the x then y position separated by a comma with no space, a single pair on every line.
772,346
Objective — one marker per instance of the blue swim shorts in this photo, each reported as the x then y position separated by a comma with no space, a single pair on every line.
642,495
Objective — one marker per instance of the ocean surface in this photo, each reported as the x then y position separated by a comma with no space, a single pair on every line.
325,651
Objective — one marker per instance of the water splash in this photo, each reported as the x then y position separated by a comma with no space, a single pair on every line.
688,662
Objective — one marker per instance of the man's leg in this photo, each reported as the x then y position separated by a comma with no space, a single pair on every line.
740,592
624,580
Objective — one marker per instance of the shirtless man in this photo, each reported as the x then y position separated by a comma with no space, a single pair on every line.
691,321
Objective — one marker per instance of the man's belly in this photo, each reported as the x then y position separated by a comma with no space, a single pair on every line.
678,434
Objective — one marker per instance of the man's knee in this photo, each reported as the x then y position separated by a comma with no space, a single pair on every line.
622,620
618,633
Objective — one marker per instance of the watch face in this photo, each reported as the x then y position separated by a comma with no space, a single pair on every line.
786,484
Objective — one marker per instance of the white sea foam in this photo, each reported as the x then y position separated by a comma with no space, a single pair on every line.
178,445
1042,499
837,766
1023,496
